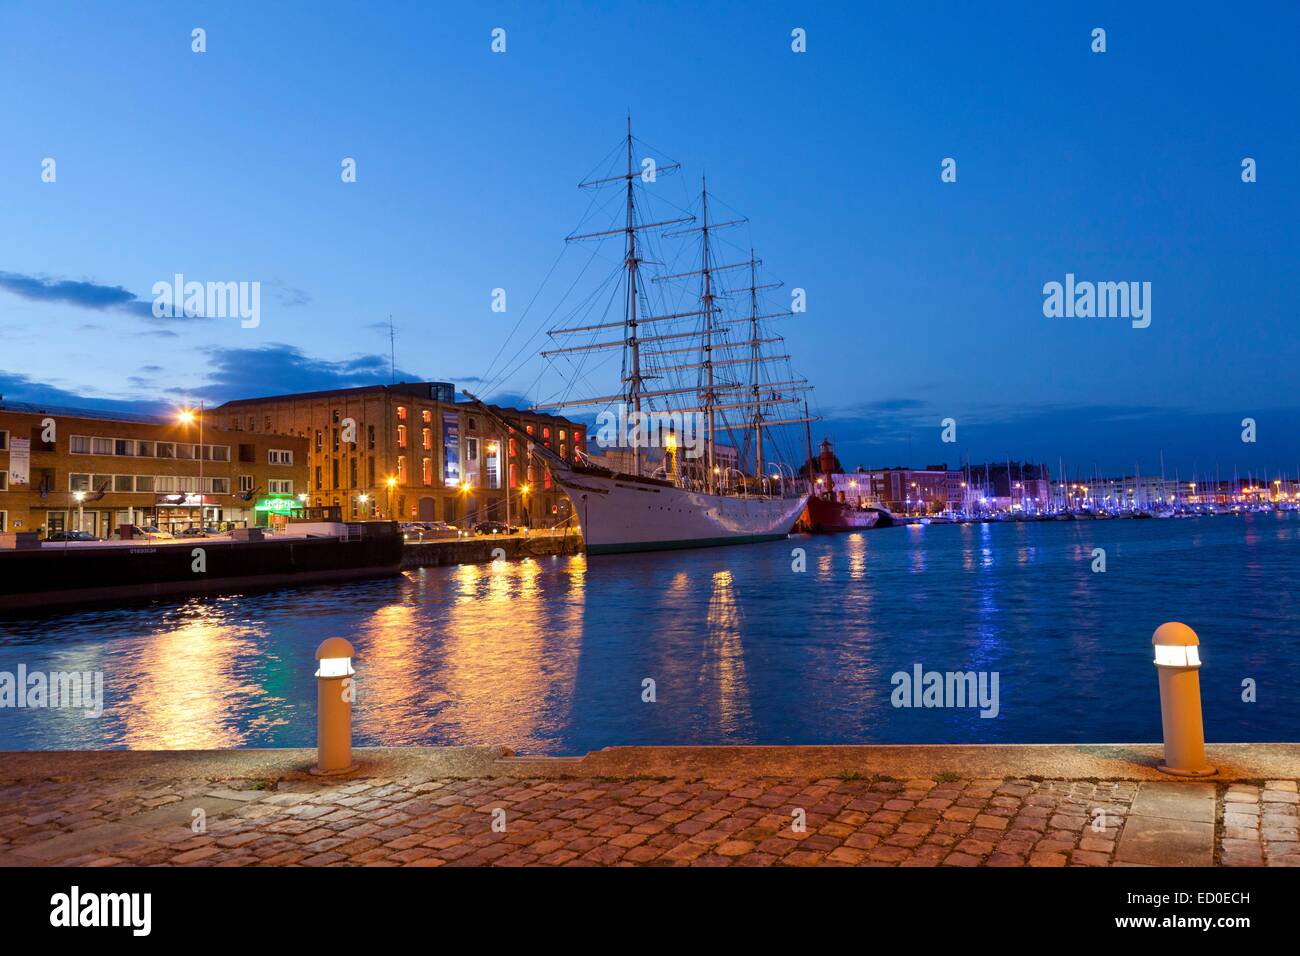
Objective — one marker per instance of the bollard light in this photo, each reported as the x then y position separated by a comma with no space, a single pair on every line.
334,707
1178,662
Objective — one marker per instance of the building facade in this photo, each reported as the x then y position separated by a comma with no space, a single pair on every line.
410,452
74,469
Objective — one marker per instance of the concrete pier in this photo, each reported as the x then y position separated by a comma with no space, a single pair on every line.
483,548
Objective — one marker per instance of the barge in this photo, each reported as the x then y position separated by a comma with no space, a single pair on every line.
35,574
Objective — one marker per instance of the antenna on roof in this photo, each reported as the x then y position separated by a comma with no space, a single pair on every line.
392,351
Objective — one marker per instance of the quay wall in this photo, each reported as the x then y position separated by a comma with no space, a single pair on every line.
423,554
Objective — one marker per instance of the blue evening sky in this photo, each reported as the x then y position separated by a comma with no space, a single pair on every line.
924,298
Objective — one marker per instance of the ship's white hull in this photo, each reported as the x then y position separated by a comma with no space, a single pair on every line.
619,514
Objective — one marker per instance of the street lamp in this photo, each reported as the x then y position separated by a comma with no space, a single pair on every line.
187,416
391,482
80,498
363,499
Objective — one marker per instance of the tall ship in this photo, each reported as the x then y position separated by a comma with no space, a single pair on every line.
691,427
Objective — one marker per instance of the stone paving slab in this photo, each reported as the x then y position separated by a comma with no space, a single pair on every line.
458,808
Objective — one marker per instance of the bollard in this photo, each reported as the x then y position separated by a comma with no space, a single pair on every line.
1178,661
334,707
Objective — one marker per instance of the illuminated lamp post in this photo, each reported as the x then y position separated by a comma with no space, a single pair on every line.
390,482
364,500
80,498
187,416
1178,663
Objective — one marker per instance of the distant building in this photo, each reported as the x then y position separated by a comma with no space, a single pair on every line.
138,469
410,452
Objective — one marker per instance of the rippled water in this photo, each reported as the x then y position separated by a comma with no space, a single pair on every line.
549,656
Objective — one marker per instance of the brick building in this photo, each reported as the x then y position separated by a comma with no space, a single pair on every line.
138,469
412,453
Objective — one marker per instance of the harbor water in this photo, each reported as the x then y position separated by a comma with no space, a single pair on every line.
555,655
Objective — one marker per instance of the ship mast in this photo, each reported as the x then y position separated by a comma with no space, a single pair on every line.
706,305
634,346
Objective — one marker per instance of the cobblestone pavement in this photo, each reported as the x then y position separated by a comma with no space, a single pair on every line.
847,821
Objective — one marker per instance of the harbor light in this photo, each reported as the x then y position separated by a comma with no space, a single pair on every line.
1178,662
334,697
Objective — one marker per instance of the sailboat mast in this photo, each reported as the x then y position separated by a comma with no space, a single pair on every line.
807,430
753,338
634,378
706,306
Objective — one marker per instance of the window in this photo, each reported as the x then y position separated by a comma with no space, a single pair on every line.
144,449
471,449
352,473
426,470
514,476
334,473
426,438
144,483
123,483
4,519
319,480
561,434
401,469
101,446
370,437
77,445
280,486
279,456
401,413
234,423
370,472
4,480
165,484
318,441
217,486
219,453
426,416
4,439
250,423
334,417
266,426
101,482
166,449
512,446
246,482
123,446
335,440
185,451
401,436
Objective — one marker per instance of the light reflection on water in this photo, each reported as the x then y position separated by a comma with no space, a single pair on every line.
549,655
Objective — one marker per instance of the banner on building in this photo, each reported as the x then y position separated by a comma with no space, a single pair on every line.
20,461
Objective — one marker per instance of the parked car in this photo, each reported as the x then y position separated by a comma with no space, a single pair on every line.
149,531
199,532
72,536
494,527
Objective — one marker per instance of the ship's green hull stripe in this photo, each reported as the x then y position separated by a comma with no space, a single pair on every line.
677,545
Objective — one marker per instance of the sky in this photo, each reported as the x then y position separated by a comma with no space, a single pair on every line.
924,297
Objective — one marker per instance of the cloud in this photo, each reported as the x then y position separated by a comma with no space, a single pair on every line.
277,369
84,295
16,387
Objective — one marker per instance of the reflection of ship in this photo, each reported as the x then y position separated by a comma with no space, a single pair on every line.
682,345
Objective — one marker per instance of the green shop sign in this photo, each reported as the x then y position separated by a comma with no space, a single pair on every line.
280,504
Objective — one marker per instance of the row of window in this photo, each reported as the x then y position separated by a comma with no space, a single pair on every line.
148,484
136,448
